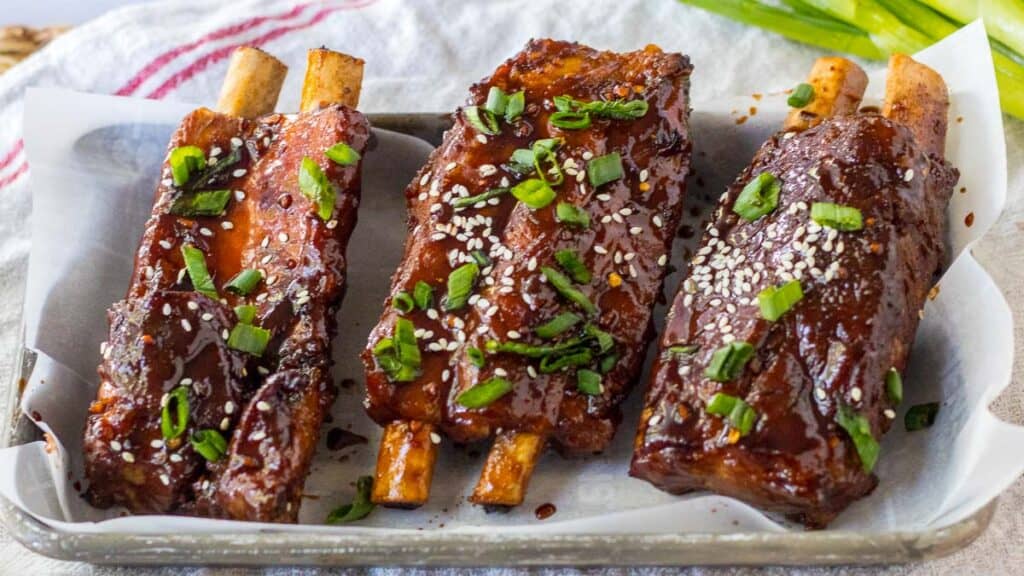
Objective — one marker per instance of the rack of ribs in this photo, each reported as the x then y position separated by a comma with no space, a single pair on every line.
538,237
215,377
779,369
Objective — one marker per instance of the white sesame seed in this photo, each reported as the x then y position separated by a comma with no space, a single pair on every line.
115,445
531,371
588,155
600,249
186,382
238,173
604,197
186,325
165,480
283,237
227,225
657,221
908,175
166,245
432,314
224,334
258,435
215,151
263,406
655,420
889,413
229,407
635,230
513,334
451,166
500,372
271,279
819,393
481,138
643,175
856,394
128,457
166,310
176,458
435,438
157,443
662,260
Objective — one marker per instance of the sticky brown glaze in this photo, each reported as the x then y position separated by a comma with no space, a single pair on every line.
863,292
510,297
165,335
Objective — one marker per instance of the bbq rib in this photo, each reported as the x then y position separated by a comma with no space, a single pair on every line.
538,236
780,363
215,378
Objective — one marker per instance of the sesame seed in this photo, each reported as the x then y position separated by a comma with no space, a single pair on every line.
643,175
192,306
186,382
655,420
239,195
856,394
819,393
263,406
332,224
227,225
600,249
889,413
451,166
165,480
500,372
258,435
157,443
908,175
271,279
215,151
481,138
588,155
115,445
204,231
265,242
513,334
229,407
435,438
128,457
166,310
282,237
166,245
176,458
657,221
635,230
238,173
531,371
604,197
186,325
224,334
236,142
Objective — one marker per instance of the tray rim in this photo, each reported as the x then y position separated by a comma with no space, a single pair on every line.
448,549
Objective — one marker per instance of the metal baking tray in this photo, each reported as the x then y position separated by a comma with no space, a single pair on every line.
438,548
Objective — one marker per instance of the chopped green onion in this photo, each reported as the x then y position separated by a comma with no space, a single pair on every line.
360,507
484,393
476,356
801,96
342,154
571,263
483,197
204,203
403,302
497,101
460,285
741,416
245,313
249,338
563,286
399,356
553,363
481,258
244,282
570,120
604,169
921,416
531,351
175,414
777,300
516,105
728,361
759,197
859,429
314,185
608,363
185,160
522,161
534,192
613,109
683,349
572,215
844,218
209,444
894,386
195,263
604,340
589,382
544,151
423,295
557,325
481,119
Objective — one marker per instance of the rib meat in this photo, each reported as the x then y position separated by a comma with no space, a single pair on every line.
166,335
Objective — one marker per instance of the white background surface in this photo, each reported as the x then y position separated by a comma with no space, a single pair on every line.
50,12
731,59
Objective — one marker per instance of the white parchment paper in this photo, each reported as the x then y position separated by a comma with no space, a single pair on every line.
95,160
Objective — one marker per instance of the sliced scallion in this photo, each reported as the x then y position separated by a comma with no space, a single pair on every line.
573,265
605,169
204,203
741,416
759,197
557,325
572,215
460,285
210,444
484,393
360,507
516,105
859,429
801,96
589,382
314,185
534,192
728,361
561,283
569,120
342,154
246,313
482,197
921,416
497,101
249,338
175,414
481,119
777,300
423,295
403,302
195,264
476,356
184,161
244,282
837,216
894,386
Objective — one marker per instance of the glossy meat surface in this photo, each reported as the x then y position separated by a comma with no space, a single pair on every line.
165,335
863,292
632,223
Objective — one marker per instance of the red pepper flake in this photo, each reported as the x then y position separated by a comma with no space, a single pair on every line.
959,119
753,110
934,292
147,339
741,120
969,219
757,96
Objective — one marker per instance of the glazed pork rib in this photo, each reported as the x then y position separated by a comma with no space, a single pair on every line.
538,237
779,367
215,378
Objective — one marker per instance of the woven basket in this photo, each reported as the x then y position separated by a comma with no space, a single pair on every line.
19,42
